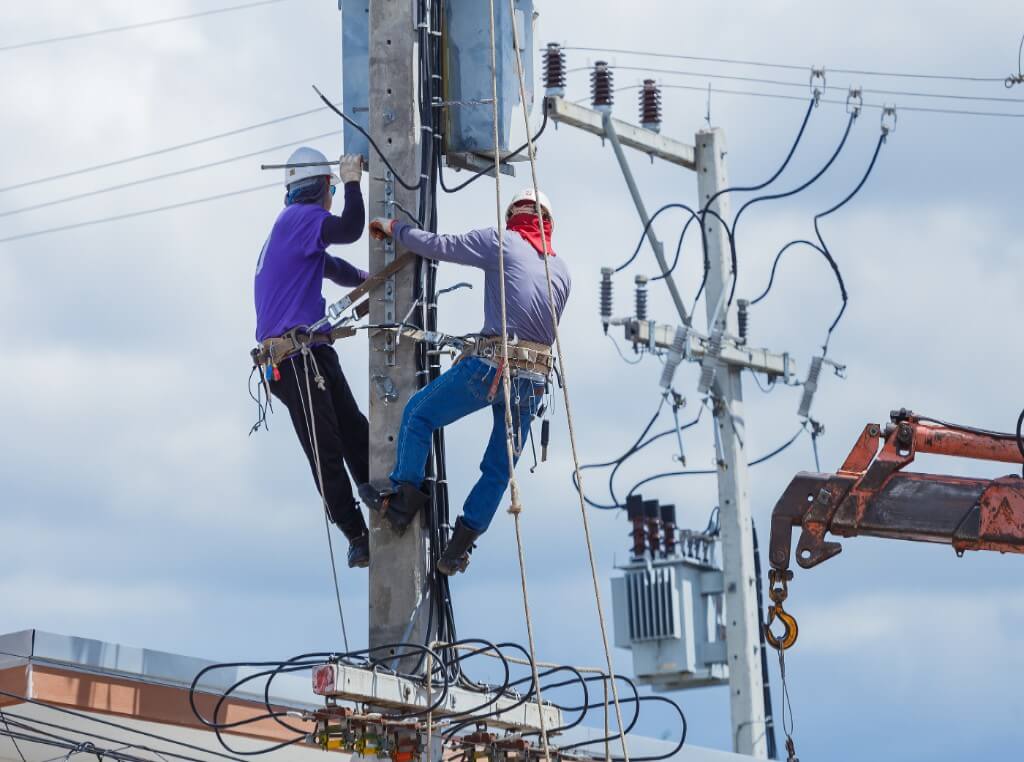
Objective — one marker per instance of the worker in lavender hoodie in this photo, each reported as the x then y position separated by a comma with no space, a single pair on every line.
289,276
475,381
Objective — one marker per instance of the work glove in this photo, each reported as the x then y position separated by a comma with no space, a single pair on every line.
381,228
350,167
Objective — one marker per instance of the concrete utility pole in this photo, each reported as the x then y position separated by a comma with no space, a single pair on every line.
398,564
746,688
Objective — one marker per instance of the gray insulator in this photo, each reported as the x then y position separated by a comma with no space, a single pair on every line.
606,296
709,364
743,318
676,353
641,297
810,387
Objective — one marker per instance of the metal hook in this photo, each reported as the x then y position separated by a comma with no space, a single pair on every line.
789,634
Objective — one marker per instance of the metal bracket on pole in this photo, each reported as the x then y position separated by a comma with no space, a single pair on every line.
389,257
659,250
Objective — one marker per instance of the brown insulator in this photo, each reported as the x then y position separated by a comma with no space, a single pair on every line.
554,70
601,95
652,515
668,524
650,106
635,514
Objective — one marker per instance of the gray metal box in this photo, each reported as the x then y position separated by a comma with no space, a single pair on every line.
669,613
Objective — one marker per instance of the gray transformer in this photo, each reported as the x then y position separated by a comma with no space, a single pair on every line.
469,124
669,613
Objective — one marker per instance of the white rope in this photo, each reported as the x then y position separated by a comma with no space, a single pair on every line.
516,507
311,426
565,389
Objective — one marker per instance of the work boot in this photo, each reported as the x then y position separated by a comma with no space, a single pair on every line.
359,552
398,505
456,554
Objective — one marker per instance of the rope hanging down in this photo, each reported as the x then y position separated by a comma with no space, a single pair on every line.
565,389
506,373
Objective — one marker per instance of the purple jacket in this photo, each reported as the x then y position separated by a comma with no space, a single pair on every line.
526,288
294,263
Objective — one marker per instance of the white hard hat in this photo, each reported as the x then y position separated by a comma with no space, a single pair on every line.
306,155
527,194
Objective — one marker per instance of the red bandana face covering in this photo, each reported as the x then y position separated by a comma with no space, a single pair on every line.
526,225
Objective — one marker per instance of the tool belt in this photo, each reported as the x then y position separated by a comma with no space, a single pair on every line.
277,349
530,356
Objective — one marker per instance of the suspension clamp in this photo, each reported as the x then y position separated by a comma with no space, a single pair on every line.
888,120
817,73
855,100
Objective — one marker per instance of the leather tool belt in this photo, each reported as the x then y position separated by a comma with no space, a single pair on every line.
276,349
530,356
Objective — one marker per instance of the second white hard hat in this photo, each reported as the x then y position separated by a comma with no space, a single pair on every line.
307,155
527,194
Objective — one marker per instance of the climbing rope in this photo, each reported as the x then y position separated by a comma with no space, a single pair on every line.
565,381
311,426
516,507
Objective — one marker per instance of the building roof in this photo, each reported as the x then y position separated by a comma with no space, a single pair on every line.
136,699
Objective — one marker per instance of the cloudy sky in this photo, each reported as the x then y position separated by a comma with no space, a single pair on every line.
137,510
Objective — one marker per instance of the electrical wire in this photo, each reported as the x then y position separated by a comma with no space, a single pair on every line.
373,143
804,85
166,175
140,25
480,173
140,213
790,67
708,471
878,106
14,741
161,151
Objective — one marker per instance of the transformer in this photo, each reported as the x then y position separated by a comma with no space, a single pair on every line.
669,607
468,93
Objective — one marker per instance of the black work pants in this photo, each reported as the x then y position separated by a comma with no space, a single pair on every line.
342,431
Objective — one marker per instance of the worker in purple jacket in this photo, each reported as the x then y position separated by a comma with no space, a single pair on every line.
289,277
475,381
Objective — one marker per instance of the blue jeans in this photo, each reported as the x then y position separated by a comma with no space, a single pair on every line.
454,395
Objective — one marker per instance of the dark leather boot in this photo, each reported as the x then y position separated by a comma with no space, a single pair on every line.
397,505
359,552
456,554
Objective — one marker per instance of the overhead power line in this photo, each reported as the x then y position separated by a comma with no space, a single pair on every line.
140,213
160,151
140,25
781,96
806,86
790,67
166,175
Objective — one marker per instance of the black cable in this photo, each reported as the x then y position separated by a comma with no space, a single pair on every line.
16,747
480,173
776,196
769,718
974,429
126,27
708,471
83,716
1020,437
373,144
